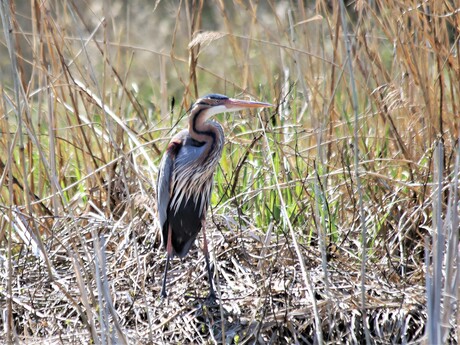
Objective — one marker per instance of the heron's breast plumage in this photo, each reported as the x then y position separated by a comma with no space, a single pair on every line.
193,171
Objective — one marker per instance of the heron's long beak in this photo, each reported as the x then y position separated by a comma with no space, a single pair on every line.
233,103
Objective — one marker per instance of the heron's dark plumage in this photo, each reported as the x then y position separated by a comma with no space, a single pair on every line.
185,226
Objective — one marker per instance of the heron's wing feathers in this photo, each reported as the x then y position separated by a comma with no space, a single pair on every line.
189,153
164,187
165,174
165,180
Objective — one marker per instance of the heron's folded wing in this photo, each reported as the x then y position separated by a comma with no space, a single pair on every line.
164,187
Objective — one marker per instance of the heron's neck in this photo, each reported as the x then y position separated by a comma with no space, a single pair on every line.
208,132
202,130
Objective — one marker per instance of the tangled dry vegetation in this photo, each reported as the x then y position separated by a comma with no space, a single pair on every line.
106,286
335,214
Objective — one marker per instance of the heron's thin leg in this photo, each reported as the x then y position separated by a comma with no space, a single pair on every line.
163,288
168,257
212,294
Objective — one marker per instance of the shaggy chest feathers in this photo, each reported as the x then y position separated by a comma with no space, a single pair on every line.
192,180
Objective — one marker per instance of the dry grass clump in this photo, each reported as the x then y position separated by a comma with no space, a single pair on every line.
108,284
334,215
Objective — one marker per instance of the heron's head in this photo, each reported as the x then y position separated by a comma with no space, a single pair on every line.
216,104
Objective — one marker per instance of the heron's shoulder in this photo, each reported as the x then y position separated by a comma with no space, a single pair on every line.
177,142
183,138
